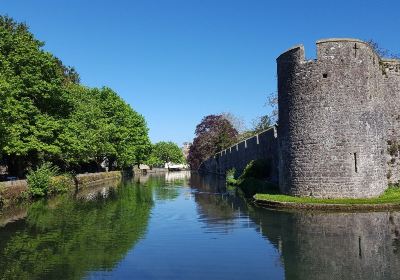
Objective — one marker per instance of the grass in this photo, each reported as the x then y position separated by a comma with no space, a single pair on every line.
391,195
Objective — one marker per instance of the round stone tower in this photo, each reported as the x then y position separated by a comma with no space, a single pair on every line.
332,136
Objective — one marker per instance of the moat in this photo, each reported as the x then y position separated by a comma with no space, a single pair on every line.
185,226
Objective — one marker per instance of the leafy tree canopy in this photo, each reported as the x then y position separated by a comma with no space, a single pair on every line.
164,152
262,123
213,134
46,115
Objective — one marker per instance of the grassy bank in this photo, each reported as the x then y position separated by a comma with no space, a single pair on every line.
253,183
390,196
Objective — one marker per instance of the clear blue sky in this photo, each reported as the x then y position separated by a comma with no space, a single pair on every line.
176,61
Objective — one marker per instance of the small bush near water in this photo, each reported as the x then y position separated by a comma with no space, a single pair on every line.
253,178
46,181
230,177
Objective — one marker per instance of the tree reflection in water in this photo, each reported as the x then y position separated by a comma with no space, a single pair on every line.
66,238
73,238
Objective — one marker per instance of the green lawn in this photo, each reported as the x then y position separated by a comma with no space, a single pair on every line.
391,195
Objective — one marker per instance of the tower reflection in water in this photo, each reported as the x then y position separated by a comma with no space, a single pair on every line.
315,245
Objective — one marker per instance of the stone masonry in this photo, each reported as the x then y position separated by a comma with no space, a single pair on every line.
261,146
339,122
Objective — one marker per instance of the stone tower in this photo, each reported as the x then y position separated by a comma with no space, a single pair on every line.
334,121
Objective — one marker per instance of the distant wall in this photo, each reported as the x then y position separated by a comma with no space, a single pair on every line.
13,191
261,146
90,179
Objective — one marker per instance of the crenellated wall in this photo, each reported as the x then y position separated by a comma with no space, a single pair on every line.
339,123
332,133
261,146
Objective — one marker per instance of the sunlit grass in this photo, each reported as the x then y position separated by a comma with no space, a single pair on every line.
391,195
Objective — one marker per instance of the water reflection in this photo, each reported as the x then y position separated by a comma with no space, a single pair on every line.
190,227
174,176
216,208
334,245
312,245
166,185
65,238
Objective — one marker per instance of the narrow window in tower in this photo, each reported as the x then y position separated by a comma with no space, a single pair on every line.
355,50
355,162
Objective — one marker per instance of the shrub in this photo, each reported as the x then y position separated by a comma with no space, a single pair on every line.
60,184
44,181
230,176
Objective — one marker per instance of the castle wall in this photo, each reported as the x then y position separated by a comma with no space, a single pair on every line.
332,136
391,83
261,146
339,124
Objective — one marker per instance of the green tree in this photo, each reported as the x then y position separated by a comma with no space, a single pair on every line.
70,237
46,115
164,152
32,94
128,132
213,134
262,123
103,127
85,134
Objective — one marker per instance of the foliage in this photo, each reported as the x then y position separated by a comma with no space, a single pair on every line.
382,52
262,123
213,134
253,178
154,161
46,115
236,121
103,127
40,180
164,152
61,183
230,177
71,237
246,135
272,102
32,82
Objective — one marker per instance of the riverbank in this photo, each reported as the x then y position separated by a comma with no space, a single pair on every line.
14,192
390,199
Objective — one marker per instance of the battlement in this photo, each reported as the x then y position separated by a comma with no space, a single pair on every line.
331,49
339,124
263,145
294,54
333,119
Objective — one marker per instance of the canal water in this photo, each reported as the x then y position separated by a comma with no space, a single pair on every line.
185,226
